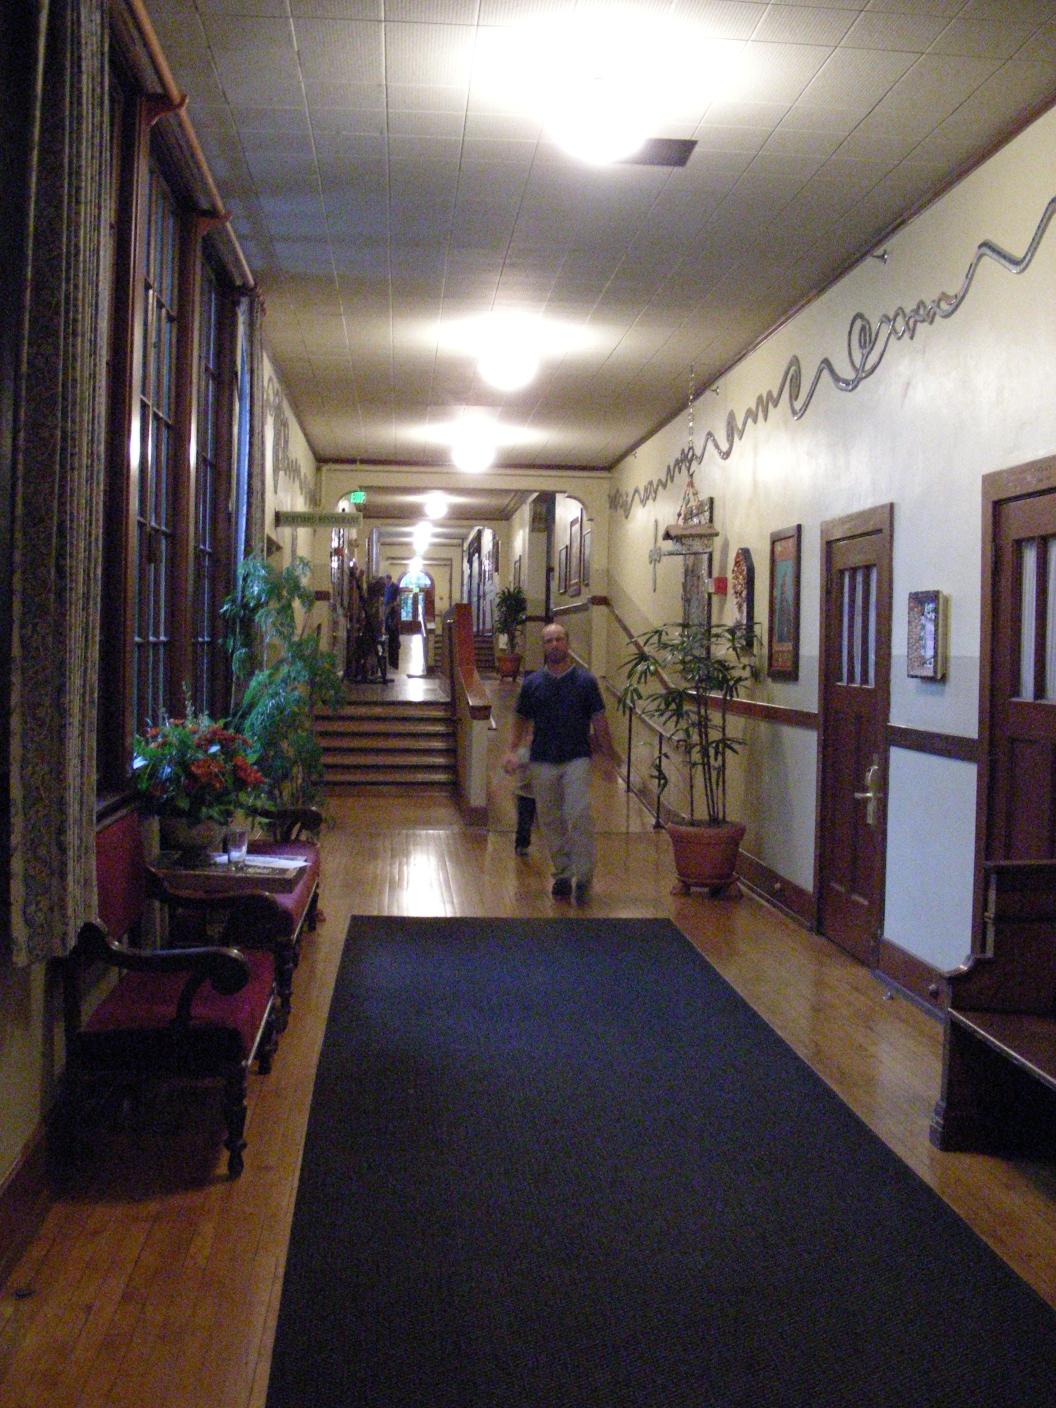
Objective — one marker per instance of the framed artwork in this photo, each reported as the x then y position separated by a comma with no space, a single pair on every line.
586,556
742,584
782,654
926,643
575,554
562,570
516,571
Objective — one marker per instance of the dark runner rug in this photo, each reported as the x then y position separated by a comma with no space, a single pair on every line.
563,1165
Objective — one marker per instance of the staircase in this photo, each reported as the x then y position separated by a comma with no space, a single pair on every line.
484,649
404,743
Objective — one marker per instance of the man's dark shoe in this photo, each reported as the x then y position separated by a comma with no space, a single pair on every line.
582,890
520,848
561,888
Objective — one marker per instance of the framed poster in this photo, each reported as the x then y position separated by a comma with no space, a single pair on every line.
575,554
516,571
586,556
782,653
562,570
926,643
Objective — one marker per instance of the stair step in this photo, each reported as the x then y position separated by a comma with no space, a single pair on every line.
386,711
353,777
402,728
389,757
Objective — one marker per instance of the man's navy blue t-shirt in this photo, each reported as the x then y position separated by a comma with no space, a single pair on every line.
560,708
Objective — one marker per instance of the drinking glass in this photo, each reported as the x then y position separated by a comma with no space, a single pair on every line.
237,843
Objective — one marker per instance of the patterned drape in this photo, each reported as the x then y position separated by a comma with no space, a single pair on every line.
256,528
58,474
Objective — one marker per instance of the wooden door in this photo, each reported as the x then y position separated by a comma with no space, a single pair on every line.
1021,816
855,691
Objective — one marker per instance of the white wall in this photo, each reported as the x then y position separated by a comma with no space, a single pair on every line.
290,471
967,395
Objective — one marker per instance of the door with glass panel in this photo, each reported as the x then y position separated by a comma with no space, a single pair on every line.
855,687
1021,816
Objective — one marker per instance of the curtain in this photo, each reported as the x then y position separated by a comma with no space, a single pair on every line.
256,529
58,481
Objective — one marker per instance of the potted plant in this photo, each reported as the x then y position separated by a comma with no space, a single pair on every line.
280,676
510,613
684,676
195,775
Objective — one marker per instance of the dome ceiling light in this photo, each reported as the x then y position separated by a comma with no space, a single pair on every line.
603,79
435,504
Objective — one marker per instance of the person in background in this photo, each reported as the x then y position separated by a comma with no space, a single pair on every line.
525,799
392,621
561,710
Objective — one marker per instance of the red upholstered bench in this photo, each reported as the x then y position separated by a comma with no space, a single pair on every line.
197,1014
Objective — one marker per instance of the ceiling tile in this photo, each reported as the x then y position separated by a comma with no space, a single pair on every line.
337,9
721,19
994,39
376,194
853,80
803,24
345,97
439,54
1042,45
340,51
778,73
906,33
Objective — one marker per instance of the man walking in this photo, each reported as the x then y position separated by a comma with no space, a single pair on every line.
561,707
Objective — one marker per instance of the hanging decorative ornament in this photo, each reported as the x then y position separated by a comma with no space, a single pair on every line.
692,449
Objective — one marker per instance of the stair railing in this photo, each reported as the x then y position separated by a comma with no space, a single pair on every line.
472,708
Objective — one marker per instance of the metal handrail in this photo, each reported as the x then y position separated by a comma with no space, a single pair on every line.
662,738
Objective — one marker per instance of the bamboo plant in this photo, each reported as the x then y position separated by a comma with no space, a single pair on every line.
683,676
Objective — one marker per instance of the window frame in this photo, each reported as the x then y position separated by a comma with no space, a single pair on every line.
141,140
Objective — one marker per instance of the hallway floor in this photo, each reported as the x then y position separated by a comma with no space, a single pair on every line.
156,1281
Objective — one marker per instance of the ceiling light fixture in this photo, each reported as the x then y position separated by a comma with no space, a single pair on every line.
510,350
435,504
602,78
474,442
422,536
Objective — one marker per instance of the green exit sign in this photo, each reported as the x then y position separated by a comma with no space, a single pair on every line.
358,496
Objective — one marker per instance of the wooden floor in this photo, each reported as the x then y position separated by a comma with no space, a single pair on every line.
154,1281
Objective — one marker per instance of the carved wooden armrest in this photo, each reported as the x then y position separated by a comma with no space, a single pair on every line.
225,968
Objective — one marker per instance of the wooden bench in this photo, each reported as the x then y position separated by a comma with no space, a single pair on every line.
999,1052
179,1014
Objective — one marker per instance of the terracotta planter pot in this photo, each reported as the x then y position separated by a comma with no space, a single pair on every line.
706,856
508,666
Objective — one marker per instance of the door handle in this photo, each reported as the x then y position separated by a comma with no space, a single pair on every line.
872,794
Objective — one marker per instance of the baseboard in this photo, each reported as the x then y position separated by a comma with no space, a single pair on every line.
783,894
25,1196
915,979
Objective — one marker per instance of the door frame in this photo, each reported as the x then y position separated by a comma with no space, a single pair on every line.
878,519
1018,482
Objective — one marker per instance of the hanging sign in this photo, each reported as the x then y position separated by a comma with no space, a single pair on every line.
314,518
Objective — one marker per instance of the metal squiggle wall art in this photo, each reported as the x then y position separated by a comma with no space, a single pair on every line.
866,347
283,464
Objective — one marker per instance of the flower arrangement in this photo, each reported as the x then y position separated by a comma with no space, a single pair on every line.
195,768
